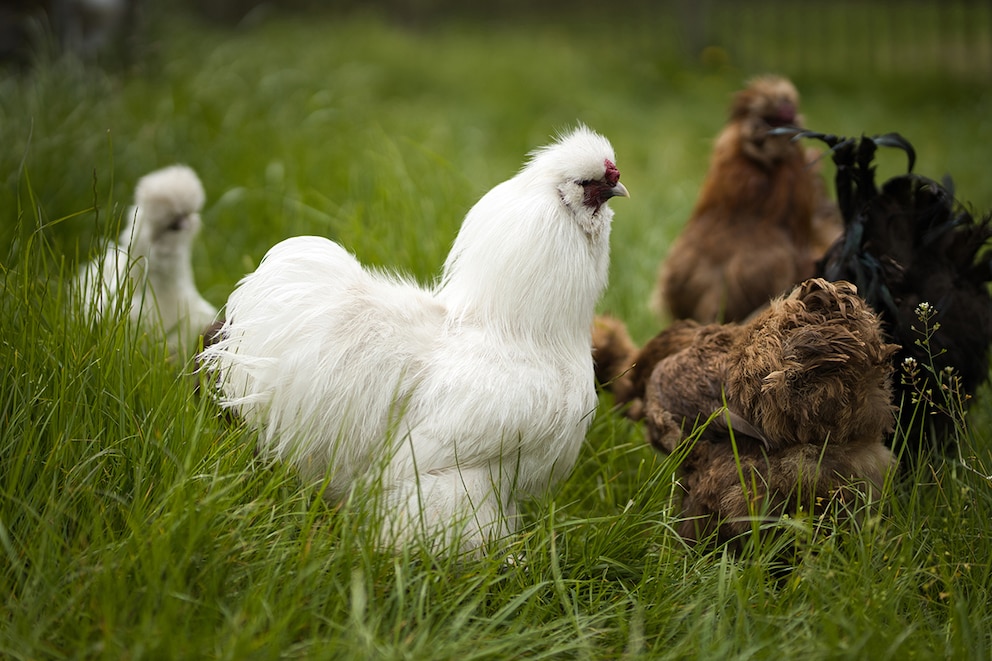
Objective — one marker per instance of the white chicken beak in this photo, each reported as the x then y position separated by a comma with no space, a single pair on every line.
619,191
180,223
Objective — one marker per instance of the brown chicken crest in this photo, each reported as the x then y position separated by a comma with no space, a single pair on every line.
808,401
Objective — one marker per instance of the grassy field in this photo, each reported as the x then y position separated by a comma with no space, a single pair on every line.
136,524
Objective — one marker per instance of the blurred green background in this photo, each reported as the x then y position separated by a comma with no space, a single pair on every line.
379,125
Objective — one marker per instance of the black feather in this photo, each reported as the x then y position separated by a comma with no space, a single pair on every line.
907,243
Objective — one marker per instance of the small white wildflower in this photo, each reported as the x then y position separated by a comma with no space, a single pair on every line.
922,309
515,560
909,363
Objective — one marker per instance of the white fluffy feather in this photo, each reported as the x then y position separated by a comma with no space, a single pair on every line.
468,396
152,262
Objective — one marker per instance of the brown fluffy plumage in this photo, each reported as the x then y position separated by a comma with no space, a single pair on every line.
612,349
752,234
808,396
627,369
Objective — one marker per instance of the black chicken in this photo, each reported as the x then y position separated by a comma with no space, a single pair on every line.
906,245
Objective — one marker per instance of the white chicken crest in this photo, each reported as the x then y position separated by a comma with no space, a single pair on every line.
152,261
457,401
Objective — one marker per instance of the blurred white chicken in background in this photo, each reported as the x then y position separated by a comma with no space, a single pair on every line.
152,262
445,404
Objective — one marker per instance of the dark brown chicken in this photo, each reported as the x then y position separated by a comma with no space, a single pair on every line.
803,389
752,234
624,369
613,350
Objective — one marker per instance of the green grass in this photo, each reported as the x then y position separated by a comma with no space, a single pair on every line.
136,524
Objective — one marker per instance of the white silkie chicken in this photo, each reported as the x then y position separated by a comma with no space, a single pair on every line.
152,262
449,404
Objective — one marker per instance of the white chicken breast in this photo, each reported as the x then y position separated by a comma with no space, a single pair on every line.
152,262
447,404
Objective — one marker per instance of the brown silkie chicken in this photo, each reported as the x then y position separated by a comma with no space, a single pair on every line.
613,350
622,368
752,234
803,389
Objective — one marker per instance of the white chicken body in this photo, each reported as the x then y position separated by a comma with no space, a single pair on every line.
468,396
152,262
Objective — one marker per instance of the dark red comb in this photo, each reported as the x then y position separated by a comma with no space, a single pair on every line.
612,174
